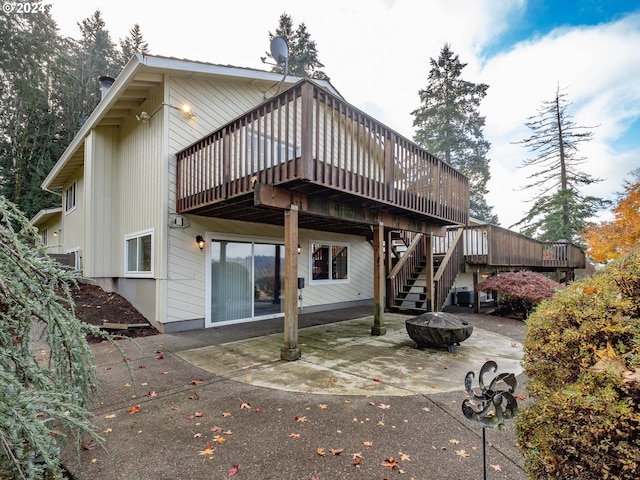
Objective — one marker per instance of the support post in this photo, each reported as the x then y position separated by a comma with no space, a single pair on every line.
476,294
290,351
378,281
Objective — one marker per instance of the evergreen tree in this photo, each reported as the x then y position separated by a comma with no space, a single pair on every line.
559,210
132,44
39,399
29,146
303,53
449,126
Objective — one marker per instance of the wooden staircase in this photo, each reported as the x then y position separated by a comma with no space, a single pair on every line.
412,286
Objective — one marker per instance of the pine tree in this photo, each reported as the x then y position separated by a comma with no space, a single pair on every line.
559,210
39,398
29,143
303,53
449,126
132,44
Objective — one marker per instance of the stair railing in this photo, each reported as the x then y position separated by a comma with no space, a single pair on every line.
448,270
409,262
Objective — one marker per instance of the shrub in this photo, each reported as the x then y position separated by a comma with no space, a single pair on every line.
520,291
582,356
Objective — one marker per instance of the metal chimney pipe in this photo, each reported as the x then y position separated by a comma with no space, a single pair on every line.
106,83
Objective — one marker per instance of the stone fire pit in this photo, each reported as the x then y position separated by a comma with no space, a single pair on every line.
438,329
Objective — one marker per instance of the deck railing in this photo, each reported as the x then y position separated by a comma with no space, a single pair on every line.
308,134
497,246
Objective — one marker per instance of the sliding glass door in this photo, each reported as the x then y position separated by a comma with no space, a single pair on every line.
246,280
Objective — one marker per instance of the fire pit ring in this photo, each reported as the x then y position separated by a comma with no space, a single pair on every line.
438,329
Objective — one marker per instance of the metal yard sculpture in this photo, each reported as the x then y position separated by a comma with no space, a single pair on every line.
492,404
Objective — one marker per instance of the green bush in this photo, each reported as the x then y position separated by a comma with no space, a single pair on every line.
582,356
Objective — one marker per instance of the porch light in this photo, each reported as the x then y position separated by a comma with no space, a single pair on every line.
200,242
186,110
299,249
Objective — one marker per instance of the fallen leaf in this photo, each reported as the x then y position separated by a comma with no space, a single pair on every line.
376,379
380,423
164,373
196,382
426,409
454,441
112,415
226,414
336,451
384,407
108,430
357,459
219,439
233,471
390,462
141,366
194,396
322,406
197,435
245,405
258,410
496,467
152,394
198,414
367,444
134,409
89,445
404,457
462,453
208,450
160,357
320,452
228,432
215,429
300,419
127,384
294,435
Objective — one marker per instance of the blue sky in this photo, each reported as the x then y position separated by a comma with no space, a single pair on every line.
377,53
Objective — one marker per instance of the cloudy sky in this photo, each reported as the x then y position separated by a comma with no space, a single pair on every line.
377,54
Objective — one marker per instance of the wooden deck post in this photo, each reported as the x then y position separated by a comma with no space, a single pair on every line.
290,351
476,294
378,281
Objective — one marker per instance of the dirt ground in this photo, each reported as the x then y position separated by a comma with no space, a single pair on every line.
95,306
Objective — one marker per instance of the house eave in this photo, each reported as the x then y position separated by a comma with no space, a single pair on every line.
141,75
45,215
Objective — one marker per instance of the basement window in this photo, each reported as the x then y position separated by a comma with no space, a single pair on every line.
138,254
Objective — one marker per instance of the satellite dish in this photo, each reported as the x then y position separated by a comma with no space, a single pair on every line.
279,50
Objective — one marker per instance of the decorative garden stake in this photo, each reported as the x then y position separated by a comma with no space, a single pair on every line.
492,404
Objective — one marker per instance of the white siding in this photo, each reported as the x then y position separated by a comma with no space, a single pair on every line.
214,103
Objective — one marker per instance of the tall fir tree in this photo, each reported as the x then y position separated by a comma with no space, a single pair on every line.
449,126
29,140
132,44
559,210
303,52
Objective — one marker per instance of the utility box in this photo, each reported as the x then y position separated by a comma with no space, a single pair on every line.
300,283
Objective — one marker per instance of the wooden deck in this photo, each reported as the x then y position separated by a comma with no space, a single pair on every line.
310,142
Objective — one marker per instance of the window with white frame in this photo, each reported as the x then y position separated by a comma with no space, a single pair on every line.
70,197
138,254
43,236
329,262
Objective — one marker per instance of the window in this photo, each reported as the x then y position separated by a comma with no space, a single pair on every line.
329,263
138,255
43,236
70,197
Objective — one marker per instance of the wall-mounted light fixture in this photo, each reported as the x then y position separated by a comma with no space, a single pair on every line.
299,249
186,110
55,234
200,242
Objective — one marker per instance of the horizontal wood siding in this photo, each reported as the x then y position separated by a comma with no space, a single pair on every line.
217,102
